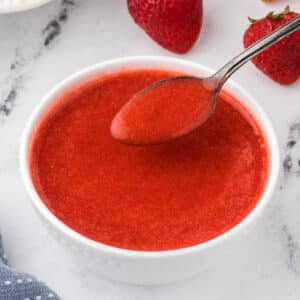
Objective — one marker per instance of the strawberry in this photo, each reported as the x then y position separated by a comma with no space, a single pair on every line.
174,24
281,62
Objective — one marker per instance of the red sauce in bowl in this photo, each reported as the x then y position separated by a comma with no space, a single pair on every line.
151,198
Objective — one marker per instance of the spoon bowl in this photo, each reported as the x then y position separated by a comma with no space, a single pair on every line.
172,120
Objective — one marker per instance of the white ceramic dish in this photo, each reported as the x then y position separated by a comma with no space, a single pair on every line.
142,267
11,6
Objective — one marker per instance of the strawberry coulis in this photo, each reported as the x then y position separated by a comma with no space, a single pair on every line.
151,198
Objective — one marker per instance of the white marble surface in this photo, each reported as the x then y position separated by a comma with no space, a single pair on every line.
41,47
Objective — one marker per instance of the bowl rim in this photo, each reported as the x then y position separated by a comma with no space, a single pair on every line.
18,7
133,62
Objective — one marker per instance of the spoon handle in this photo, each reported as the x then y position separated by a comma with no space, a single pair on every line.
225,72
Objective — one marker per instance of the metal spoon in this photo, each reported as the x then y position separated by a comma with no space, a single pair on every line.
133,130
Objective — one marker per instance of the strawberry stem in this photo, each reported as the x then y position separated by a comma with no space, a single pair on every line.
252,21
271,15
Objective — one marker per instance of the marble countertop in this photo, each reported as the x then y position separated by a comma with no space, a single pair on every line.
41,47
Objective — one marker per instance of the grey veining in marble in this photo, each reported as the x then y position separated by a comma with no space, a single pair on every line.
39,48
18,67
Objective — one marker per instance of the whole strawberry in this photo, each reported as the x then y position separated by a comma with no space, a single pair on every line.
174,24
281,62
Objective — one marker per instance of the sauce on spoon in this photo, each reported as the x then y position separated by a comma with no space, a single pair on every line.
164,111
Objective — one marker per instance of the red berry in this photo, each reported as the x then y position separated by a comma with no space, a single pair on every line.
174,24
281,62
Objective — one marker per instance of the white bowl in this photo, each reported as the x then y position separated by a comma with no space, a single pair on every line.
11,6
141,267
